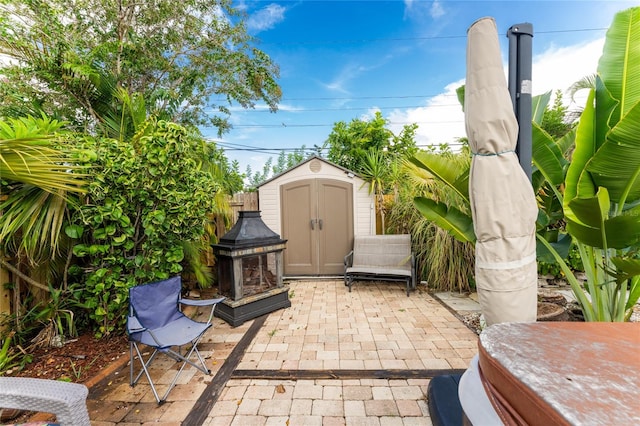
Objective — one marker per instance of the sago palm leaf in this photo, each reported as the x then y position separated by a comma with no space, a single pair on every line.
452,220
27,155
446,170
31,222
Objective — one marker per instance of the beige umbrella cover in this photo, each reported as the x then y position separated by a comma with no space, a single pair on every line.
503,204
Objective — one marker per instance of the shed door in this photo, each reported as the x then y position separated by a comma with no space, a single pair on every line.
317,222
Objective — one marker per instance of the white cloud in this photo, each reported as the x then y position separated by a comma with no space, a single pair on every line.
266,18
419,9
261,106
442,120
558,68
436,10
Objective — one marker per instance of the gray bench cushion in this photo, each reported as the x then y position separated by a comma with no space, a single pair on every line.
382,257
379,270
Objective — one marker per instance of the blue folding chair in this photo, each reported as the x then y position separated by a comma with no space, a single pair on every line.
156,320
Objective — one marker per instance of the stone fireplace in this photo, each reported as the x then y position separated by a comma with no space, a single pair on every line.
250,268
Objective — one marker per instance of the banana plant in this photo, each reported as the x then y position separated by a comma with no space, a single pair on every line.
602,186
601,198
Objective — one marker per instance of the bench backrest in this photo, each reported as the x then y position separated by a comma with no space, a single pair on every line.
382,250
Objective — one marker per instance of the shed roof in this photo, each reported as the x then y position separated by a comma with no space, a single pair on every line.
310,158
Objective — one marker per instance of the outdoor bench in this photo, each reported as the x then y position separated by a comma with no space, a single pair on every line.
381,257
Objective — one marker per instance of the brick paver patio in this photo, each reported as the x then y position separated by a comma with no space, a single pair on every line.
332,358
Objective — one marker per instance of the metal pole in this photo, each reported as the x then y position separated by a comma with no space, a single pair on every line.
520,62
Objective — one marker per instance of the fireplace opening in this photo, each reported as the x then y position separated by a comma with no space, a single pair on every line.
259,274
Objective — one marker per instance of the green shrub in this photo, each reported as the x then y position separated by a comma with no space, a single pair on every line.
150,196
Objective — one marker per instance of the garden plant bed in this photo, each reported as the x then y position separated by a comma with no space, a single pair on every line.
77,361
80,360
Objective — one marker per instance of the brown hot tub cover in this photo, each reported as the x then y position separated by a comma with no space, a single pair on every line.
562,373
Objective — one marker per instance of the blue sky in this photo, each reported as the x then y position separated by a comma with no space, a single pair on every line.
341,60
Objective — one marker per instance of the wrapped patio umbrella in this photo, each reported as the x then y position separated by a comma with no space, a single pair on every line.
503,204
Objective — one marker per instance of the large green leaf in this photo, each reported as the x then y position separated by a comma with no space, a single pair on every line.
619,65
592,211
445,170
604,118
567,141
538,105
626,265
560,245
616,165
460,95
452,220
547,156
589,223
583,152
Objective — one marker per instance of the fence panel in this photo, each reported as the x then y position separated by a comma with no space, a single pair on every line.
243,201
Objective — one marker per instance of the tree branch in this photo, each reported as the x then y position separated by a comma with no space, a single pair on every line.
16,271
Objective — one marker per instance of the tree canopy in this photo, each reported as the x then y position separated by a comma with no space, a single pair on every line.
190,60
349,144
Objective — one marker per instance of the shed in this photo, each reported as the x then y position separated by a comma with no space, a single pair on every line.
318,207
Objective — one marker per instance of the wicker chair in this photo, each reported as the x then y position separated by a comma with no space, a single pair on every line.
66,400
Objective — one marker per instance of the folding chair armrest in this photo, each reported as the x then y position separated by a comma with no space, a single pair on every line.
133,325
204,302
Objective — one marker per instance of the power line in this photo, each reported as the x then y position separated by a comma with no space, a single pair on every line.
355,98
362,108
405,39
263,150
283,125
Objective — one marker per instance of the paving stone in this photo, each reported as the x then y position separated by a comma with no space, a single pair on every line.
247,406
354,408
188,392
233,392
260,392
381,392
417,421
363,421
307,391
352,364
332,392
381,408
393,364
108,411
277,420
391,421
249,420
224,408
408,408
301,407
407,392
327,408
305,420
275,407
145,412
357,393
177,411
